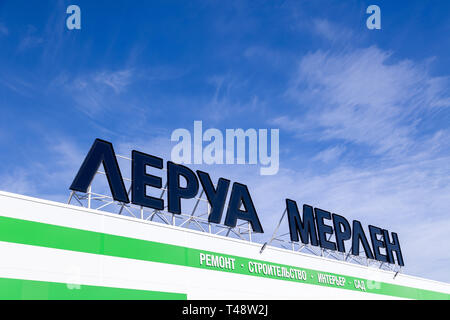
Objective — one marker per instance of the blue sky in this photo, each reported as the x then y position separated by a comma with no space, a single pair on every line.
363,114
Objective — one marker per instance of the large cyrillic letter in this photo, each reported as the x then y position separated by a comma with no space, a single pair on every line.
175,192
101,152
141,180
240,195
216,196
393,247
360,237
377,244
341,235
306,228
323,229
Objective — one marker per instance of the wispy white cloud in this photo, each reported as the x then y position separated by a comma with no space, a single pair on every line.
18,181
330,30
265,53
226,101
52,173
117,80
95,92
365,98
330,154
3,30
30,40
103,90
18,85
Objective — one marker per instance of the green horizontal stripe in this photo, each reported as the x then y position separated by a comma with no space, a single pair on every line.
19,289
58,237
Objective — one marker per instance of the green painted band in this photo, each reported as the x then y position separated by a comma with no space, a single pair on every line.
19,289
58,237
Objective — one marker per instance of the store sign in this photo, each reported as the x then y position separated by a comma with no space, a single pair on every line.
310,228
103,152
